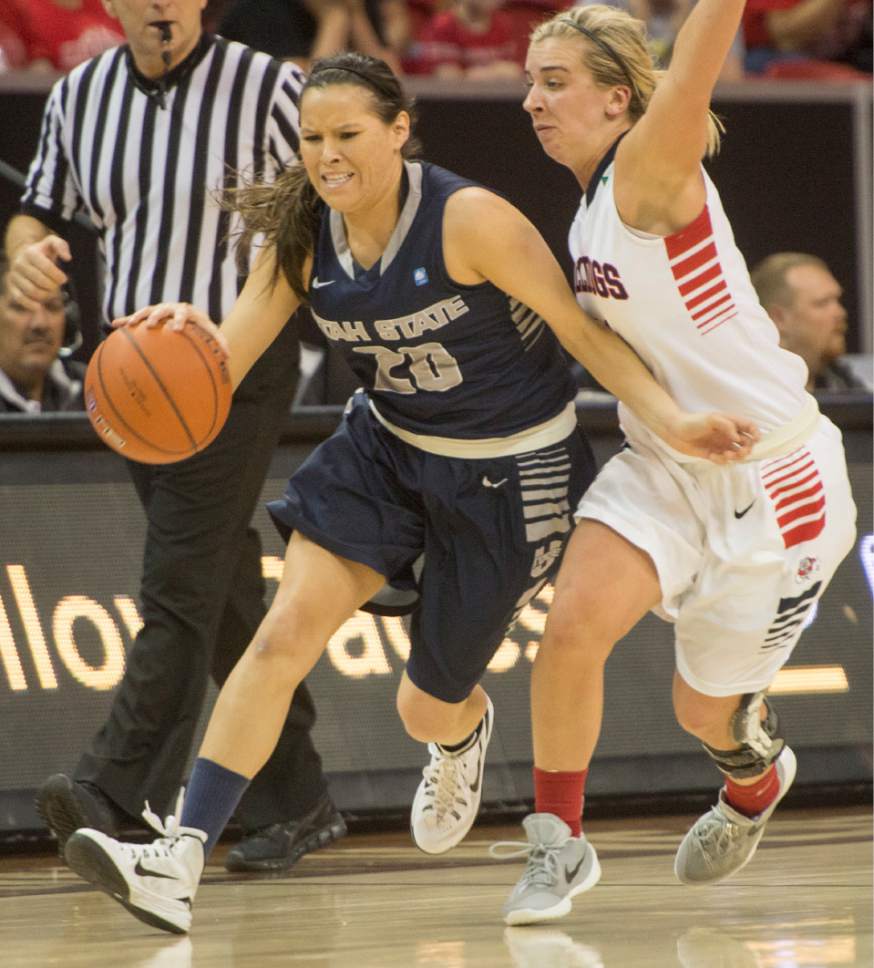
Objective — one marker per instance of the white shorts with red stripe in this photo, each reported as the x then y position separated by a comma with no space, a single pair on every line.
742,552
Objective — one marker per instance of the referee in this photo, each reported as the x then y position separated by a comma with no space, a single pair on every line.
140,139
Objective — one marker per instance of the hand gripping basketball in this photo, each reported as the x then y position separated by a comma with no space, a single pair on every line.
158,390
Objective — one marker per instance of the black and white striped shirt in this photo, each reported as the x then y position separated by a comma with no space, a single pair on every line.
146,175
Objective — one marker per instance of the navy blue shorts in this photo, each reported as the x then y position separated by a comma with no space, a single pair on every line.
470,541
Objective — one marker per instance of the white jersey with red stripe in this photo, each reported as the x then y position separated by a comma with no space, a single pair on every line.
742,552
686,304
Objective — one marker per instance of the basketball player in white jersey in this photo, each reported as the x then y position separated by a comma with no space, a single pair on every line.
734,556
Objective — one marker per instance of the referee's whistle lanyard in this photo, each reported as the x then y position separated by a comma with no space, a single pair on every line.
156,88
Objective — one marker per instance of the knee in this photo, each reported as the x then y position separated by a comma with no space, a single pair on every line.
272,658
580,637
423,716
700,716
287,643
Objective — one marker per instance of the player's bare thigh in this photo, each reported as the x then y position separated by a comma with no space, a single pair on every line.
605,586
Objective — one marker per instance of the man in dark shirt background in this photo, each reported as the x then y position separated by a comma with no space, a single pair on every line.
803,298
34,375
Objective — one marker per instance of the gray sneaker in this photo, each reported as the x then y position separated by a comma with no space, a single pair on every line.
723,841
559,867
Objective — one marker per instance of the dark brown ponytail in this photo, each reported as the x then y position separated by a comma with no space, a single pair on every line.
286,212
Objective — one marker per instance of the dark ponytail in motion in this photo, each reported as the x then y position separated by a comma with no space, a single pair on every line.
287,212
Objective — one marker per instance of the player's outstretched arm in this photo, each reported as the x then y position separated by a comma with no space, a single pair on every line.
659,158
256,319
487,238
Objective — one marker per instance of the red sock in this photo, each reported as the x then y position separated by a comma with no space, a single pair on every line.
561,794
752,799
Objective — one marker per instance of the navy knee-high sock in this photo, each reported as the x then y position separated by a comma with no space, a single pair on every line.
211,797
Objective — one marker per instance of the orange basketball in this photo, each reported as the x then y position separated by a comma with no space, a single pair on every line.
158,395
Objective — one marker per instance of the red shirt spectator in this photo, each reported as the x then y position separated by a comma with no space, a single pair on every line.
473,40
60,34
13,54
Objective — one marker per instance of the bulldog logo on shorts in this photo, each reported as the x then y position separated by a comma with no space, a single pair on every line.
807,568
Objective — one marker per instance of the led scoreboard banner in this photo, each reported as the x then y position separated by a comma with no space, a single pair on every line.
71,539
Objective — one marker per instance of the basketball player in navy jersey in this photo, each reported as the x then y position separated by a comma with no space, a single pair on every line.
451,476
734,556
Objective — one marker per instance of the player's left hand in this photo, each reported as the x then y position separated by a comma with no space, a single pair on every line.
173,316
718,437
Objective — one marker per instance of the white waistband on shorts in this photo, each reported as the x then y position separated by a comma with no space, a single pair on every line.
791,435
551,431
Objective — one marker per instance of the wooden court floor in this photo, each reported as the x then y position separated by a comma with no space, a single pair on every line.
374,901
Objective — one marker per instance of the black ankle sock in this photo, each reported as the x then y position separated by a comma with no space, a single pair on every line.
466,743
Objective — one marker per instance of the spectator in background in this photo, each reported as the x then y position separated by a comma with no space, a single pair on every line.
663,19
473,39
13,53
59,34
213,13
805,33
803,298
34,378
304,30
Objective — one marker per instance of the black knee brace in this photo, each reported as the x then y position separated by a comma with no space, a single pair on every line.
760,745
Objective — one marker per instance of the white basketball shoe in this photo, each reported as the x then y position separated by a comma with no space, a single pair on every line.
448,798
156,882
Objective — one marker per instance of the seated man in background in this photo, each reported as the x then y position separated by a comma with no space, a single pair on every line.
34,378
803,299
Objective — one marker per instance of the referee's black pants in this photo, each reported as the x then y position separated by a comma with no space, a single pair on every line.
202,598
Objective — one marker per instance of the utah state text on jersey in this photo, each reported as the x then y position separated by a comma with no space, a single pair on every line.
431,317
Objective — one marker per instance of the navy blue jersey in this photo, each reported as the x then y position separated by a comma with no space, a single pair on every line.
437,358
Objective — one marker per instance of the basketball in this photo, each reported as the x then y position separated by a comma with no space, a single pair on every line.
158,395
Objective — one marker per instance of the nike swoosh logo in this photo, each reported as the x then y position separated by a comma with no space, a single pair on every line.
740,514
488,483
320,285
141,871
571,873
479,775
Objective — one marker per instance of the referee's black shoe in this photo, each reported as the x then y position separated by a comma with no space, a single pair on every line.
66,805
279,846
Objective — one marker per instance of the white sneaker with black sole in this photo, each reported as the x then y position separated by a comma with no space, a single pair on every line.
448,798
156,882
559,867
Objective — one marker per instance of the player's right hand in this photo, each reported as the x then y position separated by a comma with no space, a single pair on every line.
34,274
174,316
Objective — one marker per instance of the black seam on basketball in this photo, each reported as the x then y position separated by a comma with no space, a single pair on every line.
215,402
108,399
162,388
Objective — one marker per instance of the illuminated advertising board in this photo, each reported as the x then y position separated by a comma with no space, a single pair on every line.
71,538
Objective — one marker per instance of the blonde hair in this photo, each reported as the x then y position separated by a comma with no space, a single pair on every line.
616,52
